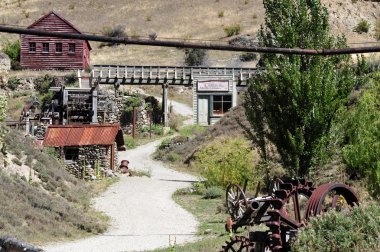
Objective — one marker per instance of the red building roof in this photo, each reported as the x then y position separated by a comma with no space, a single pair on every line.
83,134
60,17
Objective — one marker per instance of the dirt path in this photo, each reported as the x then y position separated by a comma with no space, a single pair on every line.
142,210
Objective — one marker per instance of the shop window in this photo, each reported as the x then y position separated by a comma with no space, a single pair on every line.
58,47
71,155
45,47
221,104
71,47
32,46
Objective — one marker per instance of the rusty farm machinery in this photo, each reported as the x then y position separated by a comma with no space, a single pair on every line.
291,204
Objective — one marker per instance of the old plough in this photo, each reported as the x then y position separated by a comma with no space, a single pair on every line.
291,204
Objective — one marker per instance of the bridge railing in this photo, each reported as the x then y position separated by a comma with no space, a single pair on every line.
169,72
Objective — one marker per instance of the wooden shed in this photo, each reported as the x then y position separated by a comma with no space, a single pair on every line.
54,53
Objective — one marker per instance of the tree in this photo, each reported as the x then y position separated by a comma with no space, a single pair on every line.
292,101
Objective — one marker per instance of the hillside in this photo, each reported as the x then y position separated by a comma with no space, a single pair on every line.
188,20
40,200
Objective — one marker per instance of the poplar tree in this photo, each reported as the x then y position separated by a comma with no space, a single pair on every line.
292,101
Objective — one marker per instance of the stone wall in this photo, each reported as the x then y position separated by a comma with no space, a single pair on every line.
88,159
113,110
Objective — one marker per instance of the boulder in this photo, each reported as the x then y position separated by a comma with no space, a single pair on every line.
5,62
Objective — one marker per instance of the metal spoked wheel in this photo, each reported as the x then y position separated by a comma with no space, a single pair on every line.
238,244
331,196
236,202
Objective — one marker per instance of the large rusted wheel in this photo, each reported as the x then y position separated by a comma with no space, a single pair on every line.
330,196
238,244
287,207
236,202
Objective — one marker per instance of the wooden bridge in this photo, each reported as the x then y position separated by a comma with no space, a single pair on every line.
159,75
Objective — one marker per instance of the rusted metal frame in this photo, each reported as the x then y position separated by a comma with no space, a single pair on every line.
184,44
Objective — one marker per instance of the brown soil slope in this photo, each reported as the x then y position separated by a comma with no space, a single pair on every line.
196,19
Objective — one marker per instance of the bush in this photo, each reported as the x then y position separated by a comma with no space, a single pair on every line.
248,57
220,14
117,31
13,83
232,30
12,49
71,80
42,84
173,157
356,230
157,130
362,27
191,130
213,192
195,57
130,143
226,160
360,126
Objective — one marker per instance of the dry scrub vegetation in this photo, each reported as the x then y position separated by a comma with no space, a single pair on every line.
48,203
186,20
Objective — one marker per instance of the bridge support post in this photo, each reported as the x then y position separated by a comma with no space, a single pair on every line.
94,106
165,104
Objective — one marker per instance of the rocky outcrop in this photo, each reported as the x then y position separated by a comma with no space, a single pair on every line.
5,62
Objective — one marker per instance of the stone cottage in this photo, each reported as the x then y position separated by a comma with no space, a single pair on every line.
88,150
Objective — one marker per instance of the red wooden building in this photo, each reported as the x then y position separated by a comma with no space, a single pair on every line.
54,53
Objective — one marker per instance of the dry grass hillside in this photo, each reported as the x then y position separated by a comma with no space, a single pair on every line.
180,19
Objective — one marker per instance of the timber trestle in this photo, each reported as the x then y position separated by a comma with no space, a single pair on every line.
159,75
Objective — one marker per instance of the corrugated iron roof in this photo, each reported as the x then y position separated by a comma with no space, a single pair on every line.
83,134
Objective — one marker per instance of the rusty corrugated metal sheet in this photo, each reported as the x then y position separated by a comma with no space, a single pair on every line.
81,135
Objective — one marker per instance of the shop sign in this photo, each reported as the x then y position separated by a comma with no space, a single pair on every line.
213,86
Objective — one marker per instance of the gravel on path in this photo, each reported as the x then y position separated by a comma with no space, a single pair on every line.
144,215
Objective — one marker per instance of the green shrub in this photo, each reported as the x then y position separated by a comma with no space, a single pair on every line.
220,14
12,49
213,192
361,125
165,143
42,84
195,57
226,160
157,130
191,130
356,230
21,93
362,27
173,157
13,83
199,188
248,57
117,31
130,143
71,80
232,30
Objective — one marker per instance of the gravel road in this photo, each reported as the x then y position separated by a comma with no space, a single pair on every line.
144,216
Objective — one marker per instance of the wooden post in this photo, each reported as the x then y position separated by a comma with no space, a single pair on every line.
95,106
165,104
134,123
112,166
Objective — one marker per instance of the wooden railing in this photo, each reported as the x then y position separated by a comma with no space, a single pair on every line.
168,72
